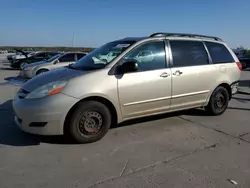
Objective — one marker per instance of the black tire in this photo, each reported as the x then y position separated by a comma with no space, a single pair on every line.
80,128
41,71
218,102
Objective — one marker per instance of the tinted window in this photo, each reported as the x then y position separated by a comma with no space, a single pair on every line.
219,53
53,57
67,58
149,56
79,56
40,55
50,54
247,56
188,53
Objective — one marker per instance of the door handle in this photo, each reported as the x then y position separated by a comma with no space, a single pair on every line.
164,75
177,73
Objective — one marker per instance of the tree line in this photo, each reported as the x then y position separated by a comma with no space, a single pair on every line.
12,49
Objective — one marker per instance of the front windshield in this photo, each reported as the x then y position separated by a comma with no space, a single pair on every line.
53,57
102,56
31,54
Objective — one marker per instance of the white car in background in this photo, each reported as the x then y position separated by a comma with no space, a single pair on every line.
22,56
57,61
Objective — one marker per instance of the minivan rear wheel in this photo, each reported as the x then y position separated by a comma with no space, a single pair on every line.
89,122
218,101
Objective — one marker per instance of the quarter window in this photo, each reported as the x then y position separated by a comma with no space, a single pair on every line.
188,53
149,56
219,53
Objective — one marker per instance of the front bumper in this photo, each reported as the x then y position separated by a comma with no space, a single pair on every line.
14,64
43,116
26,73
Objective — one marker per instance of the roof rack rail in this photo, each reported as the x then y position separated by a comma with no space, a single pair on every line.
184,35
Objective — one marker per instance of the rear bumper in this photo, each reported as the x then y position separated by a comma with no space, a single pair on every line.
234,87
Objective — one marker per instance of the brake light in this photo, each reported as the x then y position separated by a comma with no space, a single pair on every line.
239,65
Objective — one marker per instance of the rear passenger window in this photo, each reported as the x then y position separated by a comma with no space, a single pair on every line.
188,53
219,53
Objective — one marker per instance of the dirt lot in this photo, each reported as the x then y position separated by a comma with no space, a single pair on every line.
187,149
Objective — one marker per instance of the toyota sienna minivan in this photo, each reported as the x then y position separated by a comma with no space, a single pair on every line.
161,73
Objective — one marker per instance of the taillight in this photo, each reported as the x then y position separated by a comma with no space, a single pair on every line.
239,65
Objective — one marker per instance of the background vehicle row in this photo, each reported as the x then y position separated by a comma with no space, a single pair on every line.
57,61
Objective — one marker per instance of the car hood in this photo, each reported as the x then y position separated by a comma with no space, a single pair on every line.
51,76
20,57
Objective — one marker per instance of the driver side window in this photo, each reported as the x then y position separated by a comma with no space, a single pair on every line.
149,56
67,58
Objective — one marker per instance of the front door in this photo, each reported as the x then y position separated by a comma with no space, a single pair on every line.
148,90
192,75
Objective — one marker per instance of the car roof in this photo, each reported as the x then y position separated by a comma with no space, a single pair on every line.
174,35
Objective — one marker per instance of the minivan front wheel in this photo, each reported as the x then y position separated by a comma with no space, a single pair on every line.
218,101
89,122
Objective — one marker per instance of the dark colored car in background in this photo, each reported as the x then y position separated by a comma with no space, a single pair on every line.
38,56
19,53
245,62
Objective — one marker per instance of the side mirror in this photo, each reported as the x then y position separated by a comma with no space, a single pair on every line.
128,66
56,61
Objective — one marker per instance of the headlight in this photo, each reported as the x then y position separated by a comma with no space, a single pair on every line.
47,90
28,68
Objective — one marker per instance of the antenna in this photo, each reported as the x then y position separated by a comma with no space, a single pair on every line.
73,38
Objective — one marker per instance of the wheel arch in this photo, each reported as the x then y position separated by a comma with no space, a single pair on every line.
223,84
228,88
41,69
106,102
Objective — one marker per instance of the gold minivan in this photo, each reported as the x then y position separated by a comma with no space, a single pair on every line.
161,73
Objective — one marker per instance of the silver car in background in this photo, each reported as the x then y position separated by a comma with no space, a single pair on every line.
57,61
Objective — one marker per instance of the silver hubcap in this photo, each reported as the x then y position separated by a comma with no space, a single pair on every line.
90,123
220,100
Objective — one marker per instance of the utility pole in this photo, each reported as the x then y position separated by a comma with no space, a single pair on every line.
73,38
